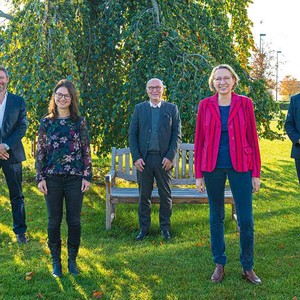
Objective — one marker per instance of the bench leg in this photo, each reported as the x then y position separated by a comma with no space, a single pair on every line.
110,213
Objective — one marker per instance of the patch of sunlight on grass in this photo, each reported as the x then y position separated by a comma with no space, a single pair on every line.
4,229
172,297
79,288
156,279
131,274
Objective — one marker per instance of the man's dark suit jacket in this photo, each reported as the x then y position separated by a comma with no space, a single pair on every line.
13,128
169,130
292,125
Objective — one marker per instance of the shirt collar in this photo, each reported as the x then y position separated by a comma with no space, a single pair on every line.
155,105
4,99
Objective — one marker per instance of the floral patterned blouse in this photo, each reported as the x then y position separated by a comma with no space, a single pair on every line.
63,148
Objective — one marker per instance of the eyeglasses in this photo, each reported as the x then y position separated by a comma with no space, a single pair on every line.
220,79
152,88
60,95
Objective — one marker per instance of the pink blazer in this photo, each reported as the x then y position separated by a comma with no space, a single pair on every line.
243,139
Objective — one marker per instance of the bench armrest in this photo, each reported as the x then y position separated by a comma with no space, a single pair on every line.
110,176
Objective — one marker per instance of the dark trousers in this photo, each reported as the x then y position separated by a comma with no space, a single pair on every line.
241,187
13,176
62,188
297,163
153,169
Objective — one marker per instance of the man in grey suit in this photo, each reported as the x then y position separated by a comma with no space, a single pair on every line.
292,128
154,138
13,125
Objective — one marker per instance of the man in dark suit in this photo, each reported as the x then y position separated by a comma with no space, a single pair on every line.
154,138
13,125
292,128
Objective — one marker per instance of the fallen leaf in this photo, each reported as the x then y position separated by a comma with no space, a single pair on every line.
199,244
39,296
29,275
97,294
295,298
280,246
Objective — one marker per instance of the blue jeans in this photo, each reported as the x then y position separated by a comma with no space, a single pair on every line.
241,187
62,188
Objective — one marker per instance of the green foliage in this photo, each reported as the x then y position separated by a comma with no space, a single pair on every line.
111,48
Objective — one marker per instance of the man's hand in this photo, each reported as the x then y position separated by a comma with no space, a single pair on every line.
3,153
139,164
166,164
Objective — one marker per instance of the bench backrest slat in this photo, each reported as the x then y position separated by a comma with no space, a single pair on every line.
182,171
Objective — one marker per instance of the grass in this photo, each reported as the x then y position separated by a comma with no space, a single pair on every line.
112,263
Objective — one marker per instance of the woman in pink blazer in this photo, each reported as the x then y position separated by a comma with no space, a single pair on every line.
226,146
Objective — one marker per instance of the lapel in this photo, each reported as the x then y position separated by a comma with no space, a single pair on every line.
234,107
214,107
162,113
147,112
7,107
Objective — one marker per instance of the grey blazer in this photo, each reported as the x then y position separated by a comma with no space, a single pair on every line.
292,125
14,127
169,130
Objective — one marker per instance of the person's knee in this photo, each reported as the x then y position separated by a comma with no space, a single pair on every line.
54,223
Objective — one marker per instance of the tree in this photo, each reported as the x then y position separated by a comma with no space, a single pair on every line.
289,86
110,48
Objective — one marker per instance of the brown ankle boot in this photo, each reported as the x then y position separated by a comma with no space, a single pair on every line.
218,274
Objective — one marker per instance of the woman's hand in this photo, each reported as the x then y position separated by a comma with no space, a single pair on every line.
255,184
200,185
42,186
85,185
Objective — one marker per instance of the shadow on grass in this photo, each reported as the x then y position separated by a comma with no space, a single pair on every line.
113,263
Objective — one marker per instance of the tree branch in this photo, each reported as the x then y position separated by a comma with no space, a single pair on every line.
156,11
6,16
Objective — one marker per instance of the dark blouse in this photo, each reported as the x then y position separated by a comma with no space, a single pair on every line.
224,159
63,148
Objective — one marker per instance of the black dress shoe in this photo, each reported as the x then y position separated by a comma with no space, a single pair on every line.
166,235
218,274
21,238
251,276
142,235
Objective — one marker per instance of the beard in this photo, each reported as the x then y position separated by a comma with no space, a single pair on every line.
3,87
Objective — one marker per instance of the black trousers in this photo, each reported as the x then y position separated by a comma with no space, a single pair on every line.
60,189
13,176
153,169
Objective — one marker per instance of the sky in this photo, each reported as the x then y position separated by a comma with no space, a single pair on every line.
279,21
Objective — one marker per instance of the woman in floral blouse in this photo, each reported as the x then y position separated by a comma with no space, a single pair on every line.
64,170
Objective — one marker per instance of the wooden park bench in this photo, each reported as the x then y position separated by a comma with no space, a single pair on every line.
183,182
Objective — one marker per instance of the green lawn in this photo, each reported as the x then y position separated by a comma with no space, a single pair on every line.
112,263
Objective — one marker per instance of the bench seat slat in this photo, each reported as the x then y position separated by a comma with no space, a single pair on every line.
119,195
